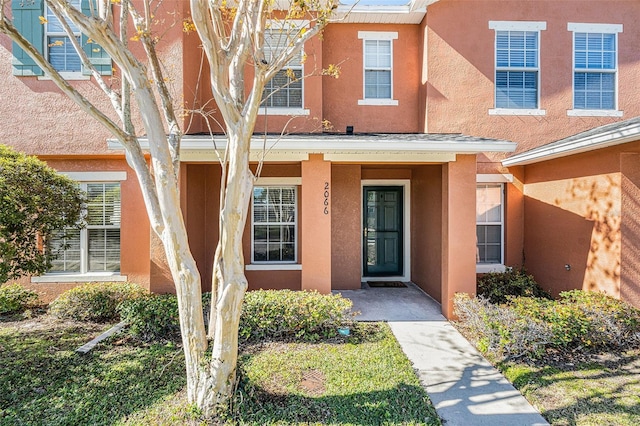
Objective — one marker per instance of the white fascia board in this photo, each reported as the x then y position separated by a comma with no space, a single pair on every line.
630,133
293,149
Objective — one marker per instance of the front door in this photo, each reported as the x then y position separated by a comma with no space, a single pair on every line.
382,231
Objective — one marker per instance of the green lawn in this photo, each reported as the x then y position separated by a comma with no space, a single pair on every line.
361,380
603,392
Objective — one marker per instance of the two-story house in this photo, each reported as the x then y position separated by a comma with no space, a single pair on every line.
465,136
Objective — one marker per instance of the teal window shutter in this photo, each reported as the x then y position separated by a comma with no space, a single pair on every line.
96,54
26,19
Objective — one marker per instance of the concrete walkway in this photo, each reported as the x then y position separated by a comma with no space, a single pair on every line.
465,389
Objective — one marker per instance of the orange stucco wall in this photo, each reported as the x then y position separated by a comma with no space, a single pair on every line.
426,229
459,84
340,96
346,221
582,211
134,226
458,224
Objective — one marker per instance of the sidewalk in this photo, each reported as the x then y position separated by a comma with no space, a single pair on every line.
465,389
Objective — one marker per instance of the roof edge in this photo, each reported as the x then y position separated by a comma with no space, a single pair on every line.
605,139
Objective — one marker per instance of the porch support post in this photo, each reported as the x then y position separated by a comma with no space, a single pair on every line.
316,224
458,230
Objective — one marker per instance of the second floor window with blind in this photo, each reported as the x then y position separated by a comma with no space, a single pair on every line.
60,51
285,89
517,69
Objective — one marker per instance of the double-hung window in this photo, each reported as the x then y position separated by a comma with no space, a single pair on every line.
285,89
378,67
59,49
95,247
595,66
274,225
489,225
517,67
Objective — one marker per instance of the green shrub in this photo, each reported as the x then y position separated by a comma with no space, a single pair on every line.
94,302
304,315
152,317
14,298
498,286
266,314
526,327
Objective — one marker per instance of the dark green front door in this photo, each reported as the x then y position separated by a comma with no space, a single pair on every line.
382,231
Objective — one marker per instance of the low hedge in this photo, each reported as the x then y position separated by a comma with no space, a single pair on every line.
497,287
14,298
95,302
266,314
528,327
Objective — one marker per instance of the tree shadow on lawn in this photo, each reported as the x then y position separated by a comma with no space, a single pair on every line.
602,391
403,404
44,381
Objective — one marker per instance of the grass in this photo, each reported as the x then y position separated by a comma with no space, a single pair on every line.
361,380
605,391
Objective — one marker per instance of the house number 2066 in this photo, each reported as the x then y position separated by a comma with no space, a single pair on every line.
326,198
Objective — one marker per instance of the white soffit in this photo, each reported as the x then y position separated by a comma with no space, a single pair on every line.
412,12
347,149
576,145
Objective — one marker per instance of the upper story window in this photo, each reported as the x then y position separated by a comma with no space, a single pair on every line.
517,67
595,68
96,246
51,40
378,67
274,225
60,51
285,89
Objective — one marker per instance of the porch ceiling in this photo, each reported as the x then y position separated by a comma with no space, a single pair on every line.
362,148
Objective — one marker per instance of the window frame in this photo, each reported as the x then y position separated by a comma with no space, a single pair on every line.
524,26
365,36
493,181
67,75
589,28
280,264
84,275
289,111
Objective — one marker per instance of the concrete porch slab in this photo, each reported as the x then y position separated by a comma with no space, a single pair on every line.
465,388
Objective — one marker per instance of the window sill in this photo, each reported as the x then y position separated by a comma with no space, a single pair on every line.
384,102
69,76
594,113
79,278
283,111
483,268
516,111
274,267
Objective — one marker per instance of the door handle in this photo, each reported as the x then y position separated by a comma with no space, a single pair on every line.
365,232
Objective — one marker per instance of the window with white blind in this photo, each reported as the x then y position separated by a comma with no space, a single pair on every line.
285,89
517,66
378,67
274,224
489,223
96,246
60,52
595,62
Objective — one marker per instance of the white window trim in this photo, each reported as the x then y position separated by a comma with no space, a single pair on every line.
294,111
502,179
516,111
517,26
55,277
285,111
283,265
594,28
377,35
406,184
67,75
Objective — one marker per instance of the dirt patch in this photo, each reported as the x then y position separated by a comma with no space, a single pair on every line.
313,382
